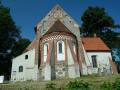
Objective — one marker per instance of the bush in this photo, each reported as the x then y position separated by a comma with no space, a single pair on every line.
106,86
78,85
50,86
116,85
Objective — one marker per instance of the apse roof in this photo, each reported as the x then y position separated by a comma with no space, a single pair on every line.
58,26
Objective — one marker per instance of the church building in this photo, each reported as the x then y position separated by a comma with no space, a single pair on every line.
58,51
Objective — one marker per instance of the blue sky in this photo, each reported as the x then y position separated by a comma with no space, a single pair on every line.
27,13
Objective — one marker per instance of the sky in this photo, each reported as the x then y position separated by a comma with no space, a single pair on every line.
27,13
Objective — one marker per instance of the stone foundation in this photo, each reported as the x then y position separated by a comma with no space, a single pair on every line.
61,70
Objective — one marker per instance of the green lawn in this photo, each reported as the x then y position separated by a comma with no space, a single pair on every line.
94,81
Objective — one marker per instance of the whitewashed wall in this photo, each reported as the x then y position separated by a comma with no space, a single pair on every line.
30,70
102,60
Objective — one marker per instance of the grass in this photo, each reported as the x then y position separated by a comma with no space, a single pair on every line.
94,81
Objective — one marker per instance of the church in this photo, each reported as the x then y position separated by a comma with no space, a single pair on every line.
58,51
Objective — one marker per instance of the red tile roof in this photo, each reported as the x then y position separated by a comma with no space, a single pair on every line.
94,44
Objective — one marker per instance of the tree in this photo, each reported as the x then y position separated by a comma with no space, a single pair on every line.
9,34
96,20
20,46
118,52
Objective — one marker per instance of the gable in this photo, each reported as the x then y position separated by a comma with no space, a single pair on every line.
57,13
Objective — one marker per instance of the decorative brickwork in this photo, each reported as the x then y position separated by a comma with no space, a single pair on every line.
61,67
57,13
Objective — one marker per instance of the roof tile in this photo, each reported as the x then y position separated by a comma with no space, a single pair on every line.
94,44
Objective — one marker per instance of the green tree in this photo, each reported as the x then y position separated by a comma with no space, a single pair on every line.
96,20
20,46
9,34
118,53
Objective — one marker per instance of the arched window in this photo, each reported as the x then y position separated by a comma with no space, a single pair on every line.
45,51
60,47
74,47
60,50
20,68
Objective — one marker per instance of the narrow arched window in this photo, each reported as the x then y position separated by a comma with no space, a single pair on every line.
60,47
60,50
45,51
20,68
74,47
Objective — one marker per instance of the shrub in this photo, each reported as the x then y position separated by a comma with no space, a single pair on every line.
106,86
78,85
116,85
50,86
